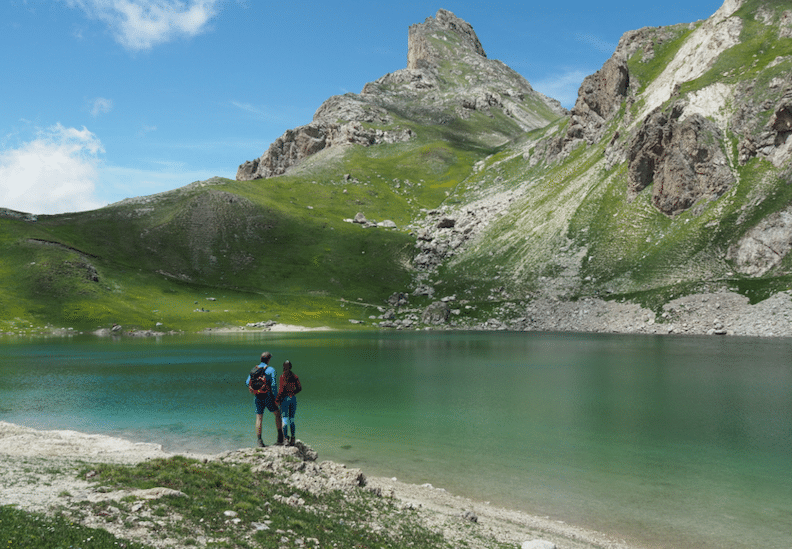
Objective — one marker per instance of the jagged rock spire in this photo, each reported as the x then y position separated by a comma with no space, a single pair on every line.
420,50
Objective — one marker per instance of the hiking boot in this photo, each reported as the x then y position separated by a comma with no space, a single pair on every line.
261,443
291,441
280,438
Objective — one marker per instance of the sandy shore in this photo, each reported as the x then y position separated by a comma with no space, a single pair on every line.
266,327
38,467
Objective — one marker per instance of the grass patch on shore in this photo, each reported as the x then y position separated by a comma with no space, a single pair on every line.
228,505
224,505
22,530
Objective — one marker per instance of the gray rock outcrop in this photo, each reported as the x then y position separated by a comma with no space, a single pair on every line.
602,94
770,141
599,97
680,158
300,143
764,246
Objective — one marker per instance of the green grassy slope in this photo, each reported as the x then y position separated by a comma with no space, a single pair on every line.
225,253
278,249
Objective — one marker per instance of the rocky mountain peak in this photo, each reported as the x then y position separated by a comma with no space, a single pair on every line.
423,44
448,76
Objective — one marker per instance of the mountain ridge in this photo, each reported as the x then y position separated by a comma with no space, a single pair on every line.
450,194
710,150
433,87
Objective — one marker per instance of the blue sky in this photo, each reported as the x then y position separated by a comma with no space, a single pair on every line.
108,99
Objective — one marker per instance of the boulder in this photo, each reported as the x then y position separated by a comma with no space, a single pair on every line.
764,246
470,516
424,289
436,313
399,299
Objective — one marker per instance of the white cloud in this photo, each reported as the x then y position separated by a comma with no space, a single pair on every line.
562,86
100,105
142,24
54,173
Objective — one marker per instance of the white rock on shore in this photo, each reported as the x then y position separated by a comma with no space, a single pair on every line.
18,441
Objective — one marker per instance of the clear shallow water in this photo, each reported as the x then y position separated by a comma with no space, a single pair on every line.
664,441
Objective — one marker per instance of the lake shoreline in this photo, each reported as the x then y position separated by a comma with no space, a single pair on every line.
39,470
722,313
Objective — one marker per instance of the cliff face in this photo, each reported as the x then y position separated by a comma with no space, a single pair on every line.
341,120
681,159
672,170
678,140
448,76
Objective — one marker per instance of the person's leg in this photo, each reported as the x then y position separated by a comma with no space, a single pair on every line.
259,421
259,405
278,425
270,403
284,412
292,412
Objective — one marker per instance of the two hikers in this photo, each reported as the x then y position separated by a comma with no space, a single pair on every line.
283,404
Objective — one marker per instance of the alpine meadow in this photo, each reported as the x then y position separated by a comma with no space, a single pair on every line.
452,195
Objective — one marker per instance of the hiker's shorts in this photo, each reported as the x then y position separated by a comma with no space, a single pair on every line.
265,401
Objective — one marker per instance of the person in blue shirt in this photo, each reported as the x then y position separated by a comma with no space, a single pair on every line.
265,398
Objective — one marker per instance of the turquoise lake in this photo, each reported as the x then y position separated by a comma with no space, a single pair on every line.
662,441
